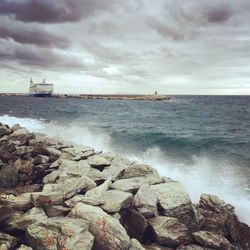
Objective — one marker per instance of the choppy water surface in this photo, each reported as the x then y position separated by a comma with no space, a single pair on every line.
203,141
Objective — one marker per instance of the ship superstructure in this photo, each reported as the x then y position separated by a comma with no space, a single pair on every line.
41,89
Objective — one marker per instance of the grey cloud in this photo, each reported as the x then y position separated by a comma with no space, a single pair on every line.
39,58
32,35
56,11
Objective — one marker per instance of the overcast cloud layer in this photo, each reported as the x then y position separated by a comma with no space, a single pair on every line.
132,46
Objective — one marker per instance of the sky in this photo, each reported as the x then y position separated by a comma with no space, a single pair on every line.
126,46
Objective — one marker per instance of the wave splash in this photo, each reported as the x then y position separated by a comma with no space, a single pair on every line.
203,175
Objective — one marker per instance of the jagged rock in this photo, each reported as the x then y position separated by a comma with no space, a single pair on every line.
24,150
77,150
108,232
21,202
139,170
113,172
83,155
173,198
47,198
145,201
40,159
57,211
60,233
9,176
108,156
120,160
209,239
192,247
20,221
7,241
136,245
22,135
213,203
134,223
157,247
7,150
4,130
84,199
24,247
15,127
115,200
133,184
98,162
99,190
169,231
70,186
53,152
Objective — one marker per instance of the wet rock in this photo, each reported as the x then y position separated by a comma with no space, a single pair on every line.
145,201
173,198
169,231
136,245
57,211
9,176
20,221
115,200
60,233
133,184
7,241
15,127
134,223
209,239
108,232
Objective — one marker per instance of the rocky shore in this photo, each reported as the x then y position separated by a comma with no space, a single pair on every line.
56,196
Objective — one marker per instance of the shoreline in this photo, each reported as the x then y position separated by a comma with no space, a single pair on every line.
110,201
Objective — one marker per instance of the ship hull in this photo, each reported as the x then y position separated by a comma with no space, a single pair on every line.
40,95
41,90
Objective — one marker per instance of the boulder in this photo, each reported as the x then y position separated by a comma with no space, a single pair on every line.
22,135
60,233
192,247
20,221
169,231
136,245
108,232
57,211
53,152
98,162
7,241
20,203
113,172
99,190
47,198
157,247
74,151
115,200
40,159
134,223
83,155
24,247
7,150
173,199
84,199
9,176
15,127
133,184
145,201
70,186
209,239
139,170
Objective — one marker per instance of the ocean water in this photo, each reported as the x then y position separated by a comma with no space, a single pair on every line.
202,141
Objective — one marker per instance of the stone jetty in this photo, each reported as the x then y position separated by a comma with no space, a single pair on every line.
58,196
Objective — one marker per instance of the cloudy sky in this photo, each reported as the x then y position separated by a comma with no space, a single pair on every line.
126,46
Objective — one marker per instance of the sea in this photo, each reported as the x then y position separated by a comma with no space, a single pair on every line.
201,141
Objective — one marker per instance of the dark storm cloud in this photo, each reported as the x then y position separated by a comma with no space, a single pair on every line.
39,58
53,11
32,35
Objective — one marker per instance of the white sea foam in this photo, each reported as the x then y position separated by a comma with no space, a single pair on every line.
204,175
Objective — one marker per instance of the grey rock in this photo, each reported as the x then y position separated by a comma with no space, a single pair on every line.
84,199
60,233
9,176
154,246
209,239
115,200
97,161
53,152
192,247
139,170
99,190
169,231
136,245
24,247
172,198
57,211
108,232
145,201
133,184
47,198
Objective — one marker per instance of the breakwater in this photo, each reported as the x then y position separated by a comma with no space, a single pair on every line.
59,196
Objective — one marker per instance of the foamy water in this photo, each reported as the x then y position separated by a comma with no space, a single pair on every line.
205,175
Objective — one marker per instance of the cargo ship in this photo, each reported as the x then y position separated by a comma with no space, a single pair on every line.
40,89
